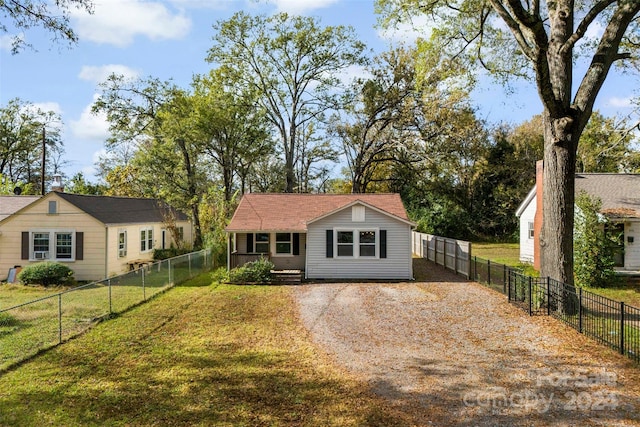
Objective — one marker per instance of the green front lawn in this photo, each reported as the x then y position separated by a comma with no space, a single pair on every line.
196,355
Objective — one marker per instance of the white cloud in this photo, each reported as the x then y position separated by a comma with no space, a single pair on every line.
118,22
48,106
6,42
349,74
408,32
619,102
298,7
99,74
90,126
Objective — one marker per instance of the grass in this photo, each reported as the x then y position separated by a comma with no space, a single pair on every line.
196,355
630,294
62,313
508,254
502,253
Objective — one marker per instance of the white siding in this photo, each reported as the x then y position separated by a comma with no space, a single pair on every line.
632,249
526,243
397,265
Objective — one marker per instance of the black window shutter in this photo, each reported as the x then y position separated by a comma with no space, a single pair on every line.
79,246
249,243
383,243
329,243
296,243
25,245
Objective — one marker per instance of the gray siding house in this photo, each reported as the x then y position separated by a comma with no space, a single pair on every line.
328,236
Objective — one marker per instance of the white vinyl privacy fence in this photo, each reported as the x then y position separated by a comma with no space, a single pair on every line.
449,253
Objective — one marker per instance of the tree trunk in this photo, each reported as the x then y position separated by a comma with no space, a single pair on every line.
192,191
290,172
556,237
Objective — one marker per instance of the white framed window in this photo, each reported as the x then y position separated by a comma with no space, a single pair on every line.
344,243
146,239
357,243
530,230
64,245
261,243
284,243
52,245
367,243
122,243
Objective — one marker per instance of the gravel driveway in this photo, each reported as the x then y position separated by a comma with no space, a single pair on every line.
448,352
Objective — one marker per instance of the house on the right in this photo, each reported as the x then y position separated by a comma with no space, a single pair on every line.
620,196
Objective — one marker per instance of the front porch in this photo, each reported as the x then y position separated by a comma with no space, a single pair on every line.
237,259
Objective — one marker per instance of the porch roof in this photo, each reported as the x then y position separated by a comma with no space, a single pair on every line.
292,212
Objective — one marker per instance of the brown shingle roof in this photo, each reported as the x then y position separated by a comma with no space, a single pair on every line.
121,210
619,192
292,212
11,204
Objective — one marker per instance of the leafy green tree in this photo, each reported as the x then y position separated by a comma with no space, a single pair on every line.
154,120
605,146
232,128
24,131
593,245
542,41
293,63
53,17
79,185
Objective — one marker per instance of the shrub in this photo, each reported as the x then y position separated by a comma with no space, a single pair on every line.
221,275
160,254
593,247
258,271
46,273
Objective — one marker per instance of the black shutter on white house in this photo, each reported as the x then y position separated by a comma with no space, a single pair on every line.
329,243
383,243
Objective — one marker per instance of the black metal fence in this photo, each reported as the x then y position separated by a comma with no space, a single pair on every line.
612,323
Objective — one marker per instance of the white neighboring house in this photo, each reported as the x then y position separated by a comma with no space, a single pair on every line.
526,213
328,236
620,196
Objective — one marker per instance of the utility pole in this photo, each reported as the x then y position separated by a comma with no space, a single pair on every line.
44,158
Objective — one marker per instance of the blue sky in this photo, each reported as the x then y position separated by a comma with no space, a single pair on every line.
169,39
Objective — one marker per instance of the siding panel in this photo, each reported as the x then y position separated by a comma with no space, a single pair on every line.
397,265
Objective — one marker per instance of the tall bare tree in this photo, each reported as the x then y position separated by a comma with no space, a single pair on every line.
293,63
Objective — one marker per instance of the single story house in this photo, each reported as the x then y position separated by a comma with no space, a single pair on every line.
97,236
328,236
620,196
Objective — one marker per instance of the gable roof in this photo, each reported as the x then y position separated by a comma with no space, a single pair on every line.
619,192
292,212
11,204
121,210
526,201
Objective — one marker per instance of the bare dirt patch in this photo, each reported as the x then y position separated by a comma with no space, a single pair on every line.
448,352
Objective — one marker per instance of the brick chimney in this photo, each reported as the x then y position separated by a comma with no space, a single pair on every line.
537,219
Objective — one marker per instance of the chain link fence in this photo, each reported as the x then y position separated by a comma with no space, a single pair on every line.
33,326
